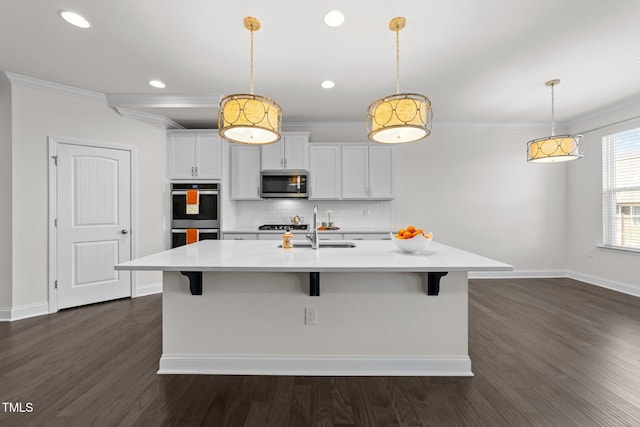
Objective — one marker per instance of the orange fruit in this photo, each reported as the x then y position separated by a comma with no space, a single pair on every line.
411,228
407,235
401,231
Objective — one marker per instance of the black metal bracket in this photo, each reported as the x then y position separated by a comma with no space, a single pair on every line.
433,281
195,281
314,284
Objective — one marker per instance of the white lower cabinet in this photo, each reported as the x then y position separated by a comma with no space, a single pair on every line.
240,236
367,236
331,236
275,236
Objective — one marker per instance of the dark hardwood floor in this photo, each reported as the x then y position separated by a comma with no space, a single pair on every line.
545,352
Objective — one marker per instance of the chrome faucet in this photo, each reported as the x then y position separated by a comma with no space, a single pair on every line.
312,236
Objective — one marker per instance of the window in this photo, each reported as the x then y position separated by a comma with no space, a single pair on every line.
621,189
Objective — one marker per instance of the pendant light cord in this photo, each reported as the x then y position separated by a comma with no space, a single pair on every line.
251,63
397,61
553,127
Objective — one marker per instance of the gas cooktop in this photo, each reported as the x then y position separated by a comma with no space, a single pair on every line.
283,227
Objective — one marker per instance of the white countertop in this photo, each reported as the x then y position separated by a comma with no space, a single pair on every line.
243,230
266,256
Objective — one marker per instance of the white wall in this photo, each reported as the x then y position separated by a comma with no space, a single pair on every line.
620,270
470,184
473,188
38,114
5,214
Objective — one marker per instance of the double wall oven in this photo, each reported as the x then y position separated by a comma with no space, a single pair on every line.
206,222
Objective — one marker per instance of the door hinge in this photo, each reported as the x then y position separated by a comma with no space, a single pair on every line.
55,222
55,284
55,160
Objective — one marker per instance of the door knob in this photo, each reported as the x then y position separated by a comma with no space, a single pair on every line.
124,231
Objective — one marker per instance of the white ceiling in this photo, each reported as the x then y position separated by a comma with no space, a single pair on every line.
478,61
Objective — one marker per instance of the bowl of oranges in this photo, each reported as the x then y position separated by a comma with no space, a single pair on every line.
412,239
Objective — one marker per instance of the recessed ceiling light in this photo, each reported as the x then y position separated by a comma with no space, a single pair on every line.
74,19
335,18
327,84
157,83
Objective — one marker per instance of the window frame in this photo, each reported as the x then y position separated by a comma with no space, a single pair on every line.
613,218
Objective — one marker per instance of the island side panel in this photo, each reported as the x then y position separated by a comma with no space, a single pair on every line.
386,321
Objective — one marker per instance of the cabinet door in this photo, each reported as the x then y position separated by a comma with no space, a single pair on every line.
272,155
245,172
296,151
355,165
325,169
367,236
330,236
182,155
381,172
270,236
208,156
240,236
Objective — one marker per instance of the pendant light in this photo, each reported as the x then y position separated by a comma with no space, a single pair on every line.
555,148
249,118
403,117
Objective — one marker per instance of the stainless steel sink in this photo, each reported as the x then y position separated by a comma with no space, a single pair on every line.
324,244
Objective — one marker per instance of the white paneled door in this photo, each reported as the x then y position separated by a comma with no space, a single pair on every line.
93,224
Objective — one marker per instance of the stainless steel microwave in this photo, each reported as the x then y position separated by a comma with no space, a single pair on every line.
282,184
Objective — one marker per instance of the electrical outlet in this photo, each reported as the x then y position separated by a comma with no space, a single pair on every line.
310,316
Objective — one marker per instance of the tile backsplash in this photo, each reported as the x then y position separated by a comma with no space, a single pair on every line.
345,213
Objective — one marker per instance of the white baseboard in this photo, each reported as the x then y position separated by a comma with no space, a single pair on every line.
24,311
459,366
626,288
605,283
517,274
154,288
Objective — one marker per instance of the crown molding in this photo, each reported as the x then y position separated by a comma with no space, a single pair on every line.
631,104
148,117
123,102
211,100
18,79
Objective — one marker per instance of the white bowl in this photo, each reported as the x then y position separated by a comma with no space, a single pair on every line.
415,244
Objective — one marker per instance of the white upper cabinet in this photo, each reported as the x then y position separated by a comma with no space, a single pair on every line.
380,172
367,172
325,170
355,172
195,155
245,172
291,152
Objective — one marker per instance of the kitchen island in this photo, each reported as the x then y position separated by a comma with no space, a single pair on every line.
251,307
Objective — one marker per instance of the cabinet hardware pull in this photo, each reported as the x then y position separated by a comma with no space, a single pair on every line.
196,171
